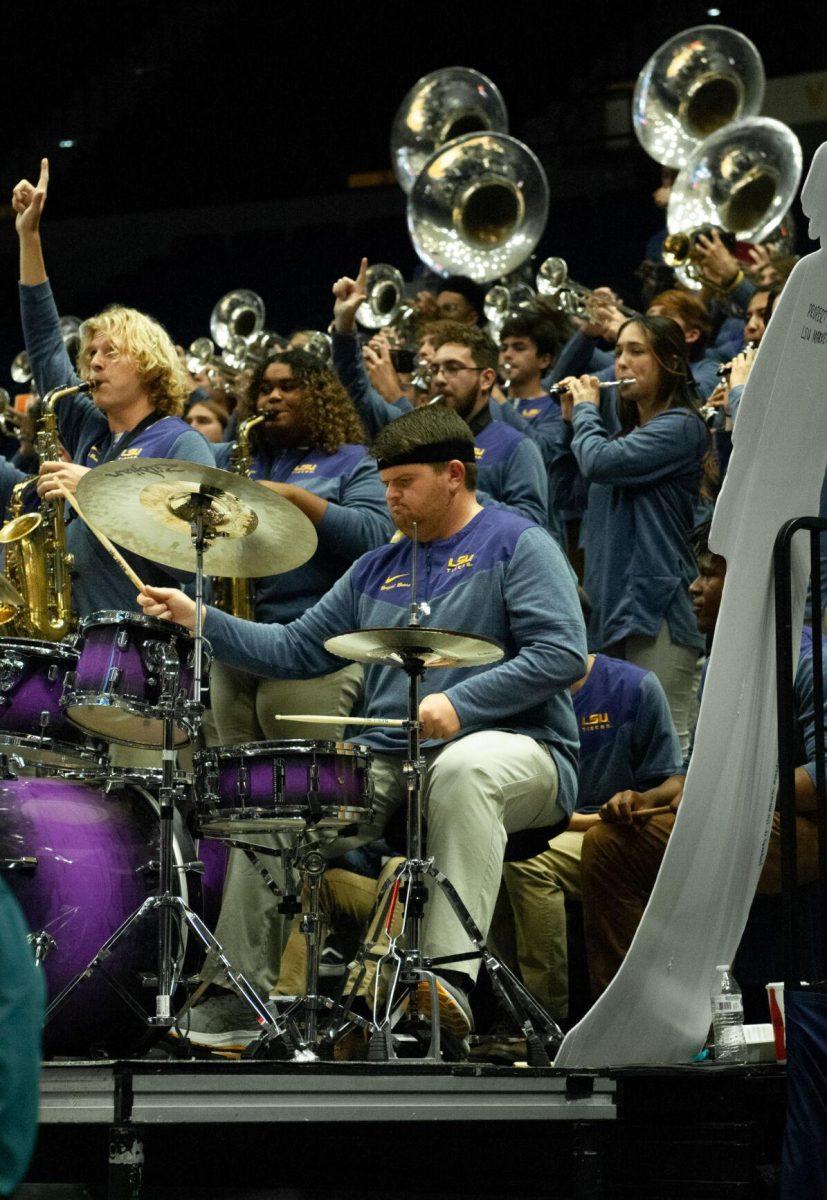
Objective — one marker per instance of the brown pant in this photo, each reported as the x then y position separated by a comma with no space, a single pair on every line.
619,864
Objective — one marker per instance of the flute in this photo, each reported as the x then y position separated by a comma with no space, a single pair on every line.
723,369
560,389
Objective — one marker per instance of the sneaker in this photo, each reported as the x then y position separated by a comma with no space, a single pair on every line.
454,1009
221,1022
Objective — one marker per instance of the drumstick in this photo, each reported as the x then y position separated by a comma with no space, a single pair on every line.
102,538
310,720
651,812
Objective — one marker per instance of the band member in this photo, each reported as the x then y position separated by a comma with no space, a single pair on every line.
528,347
463,371
209,418
622,854
627,740
500,741
140,389
458,298
642,454
311,451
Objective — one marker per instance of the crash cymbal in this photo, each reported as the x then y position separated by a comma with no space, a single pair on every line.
434,647
146,505
10,600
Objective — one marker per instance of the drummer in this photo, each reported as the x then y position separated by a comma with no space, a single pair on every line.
500,741
140,389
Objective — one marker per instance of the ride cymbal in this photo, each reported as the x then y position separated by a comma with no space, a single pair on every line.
147,506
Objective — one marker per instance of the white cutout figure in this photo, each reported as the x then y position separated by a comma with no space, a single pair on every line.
656,1009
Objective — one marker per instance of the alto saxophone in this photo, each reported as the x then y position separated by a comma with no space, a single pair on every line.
236,596
36,561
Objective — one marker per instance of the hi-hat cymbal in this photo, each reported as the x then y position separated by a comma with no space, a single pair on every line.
146,505
433,647
10,600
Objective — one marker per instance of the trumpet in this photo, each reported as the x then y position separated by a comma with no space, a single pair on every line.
9,419
573,299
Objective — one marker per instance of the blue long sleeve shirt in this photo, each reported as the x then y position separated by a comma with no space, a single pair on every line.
356,520
643,488
540,418
98,582
499,576
511,473
627,737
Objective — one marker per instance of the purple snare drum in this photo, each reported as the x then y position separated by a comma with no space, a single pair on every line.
126,663
80,853
262,786
32,724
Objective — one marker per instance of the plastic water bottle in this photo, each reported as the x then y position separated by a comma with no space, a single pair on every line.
728,1018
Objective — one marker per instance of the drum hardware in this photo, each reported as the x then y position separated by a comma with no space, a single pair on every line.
42,943
199,509
19,865
415,649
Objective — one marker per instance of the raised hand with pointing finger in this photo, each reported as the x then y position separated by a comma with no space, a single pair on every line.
28,201
349,294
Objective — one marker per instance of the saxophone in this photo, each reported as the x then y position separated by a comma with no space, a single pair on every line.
236,596
36,560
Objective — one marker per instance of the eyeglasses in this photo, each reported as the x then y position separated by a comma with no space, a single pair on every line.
451,369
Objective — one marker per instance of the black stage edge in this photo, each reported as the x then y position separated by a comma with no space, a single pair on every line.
302,1131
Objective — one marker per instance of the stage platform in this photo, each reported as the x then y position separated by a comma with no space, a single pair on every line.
173,1129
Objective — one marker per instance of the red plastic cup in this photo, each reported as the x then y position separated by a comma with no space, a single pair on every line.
775,996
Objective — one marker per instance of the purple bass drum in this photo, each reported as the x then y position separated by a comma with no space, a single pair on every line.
127,662
264,786
80,854
32,723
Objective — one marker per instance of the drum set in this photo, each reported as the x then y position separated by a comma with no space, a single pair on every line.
119,894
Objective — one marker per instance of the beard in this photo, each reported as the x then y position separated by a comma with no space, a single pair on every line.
463,404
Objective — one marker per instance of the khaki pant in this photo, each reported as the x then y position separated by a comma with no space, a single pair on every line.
478,789
250,928
535,890
345,900
618,869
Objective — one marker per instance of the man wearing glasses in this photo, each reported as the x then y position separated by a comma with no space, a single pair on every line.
511,471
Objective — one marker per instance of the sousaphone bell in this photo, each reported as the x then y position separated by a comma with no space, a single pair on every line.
695,84
440,107
478,207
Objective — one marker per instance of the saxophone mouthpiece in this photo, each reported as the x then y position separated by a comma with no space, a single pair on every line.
91,384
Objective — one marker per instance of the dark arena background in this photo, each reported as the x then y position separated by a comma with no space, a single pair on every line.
198,147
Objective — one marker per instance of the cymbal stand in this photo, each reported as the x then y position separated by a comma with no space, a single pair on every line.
197,510
527,1014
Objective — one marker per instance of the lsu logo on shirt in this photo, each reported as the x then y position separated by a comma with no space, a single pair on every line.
594,722
479,452
304,469
395,581
460,563
131,452
528,414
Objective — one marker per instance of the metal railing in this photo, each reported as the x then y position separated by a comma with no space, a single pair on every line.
790,894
